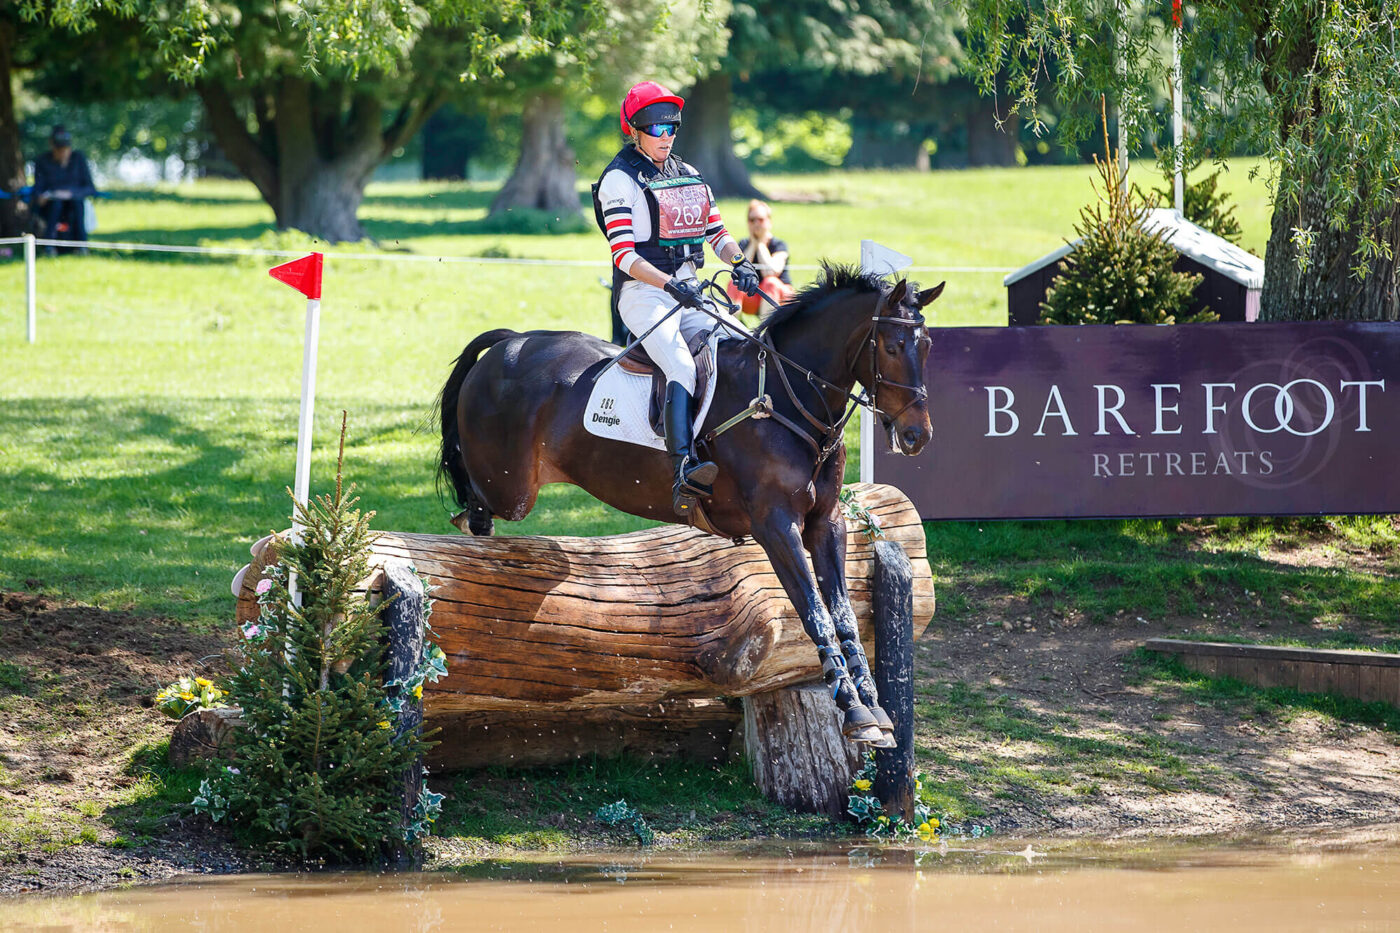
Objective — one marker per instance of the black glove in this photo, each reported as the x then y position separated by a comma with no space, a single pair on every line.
686,291
746,277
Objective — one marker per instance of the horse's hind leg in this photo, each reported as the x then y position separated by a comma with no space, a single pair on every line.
778,536
825,538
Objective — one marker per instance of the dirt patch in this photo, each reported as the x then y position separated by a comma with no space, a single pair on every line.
1051,726
76,688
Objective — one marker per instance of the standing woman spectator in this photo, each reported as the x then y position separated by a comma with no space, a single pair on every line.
769,256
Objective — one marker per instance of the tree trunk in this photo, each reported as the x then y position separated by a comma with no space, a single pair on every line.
876,145
986,143
1326,289
14,213
706,140
544,178
309,157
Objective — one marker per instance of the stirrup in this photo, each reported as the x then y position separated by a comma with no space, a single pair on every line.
696,482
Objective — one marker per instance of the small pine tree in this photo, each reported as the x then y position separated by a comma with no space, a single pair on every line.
318,766
1119,272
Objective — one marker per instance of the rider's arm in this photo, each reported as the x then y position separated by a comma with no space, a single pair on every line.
719,239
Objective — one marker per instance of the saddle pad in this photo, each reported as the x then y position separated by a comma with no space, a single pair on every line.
619,406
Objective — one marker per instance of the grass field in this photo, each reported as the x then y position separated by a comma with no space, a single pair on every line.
149,434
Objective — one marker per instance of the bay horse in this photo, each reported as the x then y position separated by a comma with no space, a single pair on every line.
512,420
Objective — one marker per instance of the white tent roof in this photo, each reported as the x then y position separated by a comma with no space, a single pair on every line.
1194,242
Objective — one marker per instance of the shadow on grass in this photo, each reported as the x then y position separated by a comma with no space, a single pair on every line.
150,505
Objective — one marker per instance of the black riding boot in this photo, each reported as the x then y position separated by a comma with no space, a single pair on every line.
693,479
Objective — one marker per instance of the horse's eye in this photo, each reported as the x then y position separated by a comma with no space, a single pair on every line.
890,349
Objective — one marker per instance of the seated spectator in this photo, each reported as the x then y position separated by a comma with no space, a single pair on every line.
769,256
62,183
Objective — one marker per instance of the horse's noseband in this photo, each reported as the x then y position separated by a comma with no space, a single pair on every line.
919,393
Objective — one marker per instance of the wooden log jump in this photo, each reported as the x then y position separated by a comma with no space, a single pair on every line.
560,647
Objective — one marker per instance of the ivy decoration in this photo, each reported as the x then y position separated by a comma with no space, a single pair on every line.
854,510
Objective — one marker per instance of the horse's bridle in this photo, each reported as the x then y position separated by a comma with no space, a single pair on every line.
831,430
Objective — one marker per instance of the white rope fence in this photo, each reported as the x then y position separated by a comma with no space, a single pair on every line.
31,244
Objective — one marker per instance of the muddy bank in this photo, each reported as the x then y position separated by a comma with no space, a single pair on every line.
1030,722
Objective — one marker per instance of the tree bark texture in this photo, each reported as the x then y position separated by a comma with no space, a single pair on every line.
707,141
793,741
310,149
1327,289
555,625
14,213
544,178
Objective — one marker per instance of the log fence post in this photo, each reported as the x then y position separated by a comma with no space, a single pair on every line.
893,608
404,613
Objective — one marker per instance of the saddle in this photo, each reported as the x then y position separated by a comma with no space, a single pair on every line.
637,362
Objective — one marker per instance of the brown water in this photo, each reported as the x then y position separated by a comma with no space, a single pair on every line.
1329,884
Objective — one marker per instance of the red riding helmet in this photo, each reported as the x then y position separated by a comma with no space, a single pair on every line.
647,103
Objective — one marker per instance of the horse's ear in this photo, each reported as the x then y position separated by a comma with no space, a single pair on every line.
896,296
926,297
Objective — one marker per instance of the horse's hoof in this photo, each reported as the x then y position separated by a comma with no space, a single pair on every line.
461,520
882,718
885,741
858,721
869,735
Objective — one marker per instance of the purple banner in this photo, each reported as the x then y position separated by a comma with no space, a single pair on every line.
1196,419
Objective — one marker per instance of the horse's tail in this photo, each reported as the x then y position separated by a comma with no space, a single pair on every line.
450,465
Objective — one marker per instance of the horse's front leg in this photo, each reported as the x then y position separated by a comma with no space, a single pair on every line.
779,535
825,538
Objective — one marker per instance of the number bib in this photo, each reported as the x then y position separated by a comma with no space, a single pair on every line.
683,209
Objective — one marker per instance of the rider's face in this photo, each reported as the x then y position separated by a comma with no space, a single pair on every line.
656,148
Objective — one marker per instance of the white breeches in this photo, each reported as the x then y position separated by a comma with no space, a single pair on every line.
642,305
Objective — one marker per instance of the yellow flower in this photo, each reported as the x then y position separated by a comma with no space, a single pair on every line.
933,822
883,819
384,724
418,692
862,784
927,830
186,695
203,683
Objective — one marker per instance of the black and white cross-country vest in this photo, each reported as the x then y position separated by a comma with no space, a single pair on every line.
679,204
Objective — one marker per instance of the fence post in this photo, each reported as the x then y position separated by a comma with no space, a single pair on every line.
29,271
404,614
893,609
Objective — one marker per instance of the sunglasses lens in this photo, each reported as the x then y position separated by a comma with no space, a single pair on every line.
661,129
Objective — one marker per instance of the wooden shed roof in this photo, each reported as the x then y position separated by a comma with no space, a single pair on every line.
1190,240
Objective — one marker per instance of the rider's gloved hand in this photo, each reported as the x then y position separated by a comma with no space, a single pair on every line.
745,277
686,291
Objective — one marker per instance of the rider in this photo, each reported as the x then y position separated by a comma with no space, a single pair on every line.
656,212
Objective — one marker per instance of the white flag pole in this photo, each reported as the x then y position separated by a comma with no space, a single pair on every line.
1178,192
305,276
877,260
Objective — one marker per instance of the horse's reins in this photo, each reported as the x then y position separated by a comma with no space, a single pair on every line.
831,431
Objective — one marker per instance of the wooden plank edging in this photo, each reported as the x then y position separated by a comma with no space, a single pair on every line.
1271,652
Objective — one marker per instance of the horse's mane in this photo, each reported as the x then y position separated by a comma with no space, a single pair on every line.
835,277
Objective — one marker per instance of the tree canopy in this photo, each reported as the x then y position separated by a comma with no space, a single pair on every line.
1315,86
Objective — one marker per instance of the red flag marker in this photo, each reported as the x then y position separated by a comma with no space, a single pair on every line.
303,274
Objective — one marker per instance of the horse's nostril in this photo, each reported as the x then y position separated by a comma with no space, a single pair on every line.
911,436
